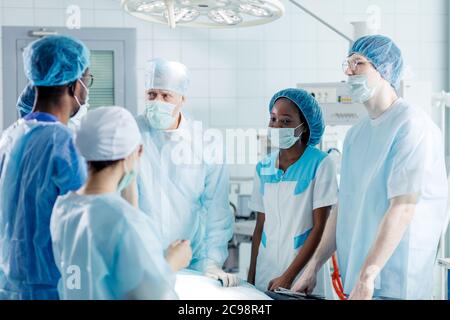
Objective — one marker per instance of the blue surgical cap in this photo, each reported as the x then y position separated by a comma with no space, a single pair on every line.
384,54
25,102
55,61
310,109
166,75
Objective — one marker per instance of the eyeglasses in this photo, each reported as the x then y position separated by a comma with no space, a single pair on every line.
88,80
353,65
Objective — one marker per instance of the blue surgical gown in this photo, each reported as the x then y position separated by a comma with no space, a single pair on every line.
38,162
184,186
399,153
106,249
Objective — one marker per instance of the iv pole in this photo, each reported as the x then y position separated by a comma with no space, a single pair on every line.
443,102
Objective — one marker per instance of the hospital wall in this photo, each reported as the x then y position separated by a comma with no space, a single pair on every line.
234,72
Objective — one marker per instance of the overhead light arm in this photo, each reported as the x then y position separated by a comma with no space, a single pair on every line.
170,13
329,26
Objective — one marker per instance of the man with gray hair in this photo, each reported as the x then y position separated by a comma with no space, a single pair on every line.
188,198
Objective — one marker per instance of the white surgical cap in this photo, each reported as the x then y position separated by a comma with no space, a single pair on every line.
166,75
107,133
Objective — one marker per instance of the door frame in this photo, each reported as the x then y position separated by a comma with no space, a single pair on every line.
125,65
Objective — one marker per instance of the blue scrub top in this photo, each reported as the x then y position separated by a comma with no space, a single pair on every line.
38,162
110,248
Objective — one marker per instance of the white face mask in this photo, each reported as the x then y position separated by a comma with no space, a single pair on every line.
360,90
159,114
86,102
75,121
283,138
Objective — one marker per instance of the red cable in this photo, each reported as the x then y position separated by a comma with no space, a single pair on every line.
336,280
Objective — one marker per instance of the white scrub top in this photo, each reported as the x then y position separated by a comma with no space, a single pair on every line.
105,248
399,153
288,199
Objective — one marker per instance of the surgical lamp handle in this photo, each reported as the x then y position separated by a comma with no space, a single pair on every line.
170,13
312,14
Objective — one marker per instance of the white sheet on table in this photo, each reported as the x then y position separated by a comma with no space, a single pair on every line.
191,285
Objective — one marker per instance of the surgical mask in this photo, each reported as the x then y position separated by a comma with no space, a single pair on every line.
159,114
86,102
359,88
75,121
127,178
283,138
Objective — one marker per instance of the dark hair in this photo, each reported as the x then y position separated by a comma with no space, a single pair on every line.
54,93
97,166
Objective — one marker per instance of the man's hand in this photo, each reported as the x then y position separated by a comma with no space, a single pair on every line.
307,281
179,254
363,290
227,279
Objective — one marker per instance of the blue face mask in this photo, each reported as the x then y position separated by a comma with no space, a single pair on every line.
159,114
127,178
283,138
